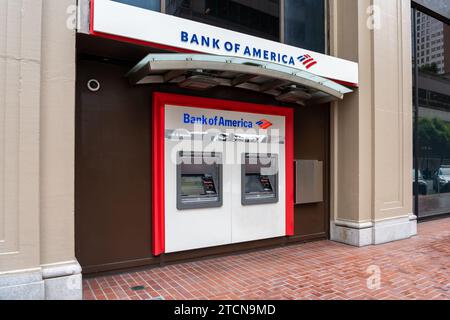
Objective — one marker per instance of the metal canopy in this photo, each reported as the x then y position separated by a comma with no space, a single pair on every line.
202,72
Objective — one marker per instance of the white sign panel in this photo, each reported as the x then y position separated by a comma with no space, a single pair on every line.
113,18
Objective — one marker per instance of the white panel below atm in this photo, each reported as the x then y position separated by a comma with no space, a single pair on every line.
261,221
195,228
258,223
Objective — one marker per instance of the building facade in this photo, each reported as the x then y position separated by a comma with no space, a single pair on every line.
430,42
91,92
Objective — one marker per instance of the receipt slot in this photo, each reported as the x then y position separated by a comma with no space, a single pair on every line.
199,180
259,179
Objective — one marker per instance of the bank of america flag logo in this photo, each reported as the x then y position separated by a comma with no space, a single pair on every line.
307,61
264,124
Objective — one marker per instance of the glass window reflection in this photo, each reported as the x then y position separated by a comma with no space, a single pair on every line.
154,5
432,59
305,24
260,18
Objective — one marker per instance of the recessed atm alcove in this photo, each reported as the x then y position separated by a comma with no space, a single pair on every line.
220,191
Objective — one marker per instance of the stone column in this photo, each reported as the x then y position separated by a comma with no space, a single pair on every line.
372,128
61,271
20,85
37,85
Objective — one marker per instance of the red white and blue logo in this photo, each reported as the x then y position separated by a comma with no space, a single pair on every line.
307,61
264,124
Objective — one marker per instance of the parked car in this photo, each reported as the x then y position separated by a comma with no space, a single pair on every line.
441,180
423,186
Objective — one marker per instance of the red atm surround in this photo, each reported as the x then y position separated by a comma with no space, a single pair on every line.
160,100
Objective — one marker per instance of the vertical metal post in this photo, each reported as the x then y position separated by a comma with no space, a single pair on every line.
327,21
163,6
416,117
282,22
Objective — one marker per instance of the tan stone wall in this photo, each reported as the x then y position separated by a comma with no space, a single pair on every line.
393,112
37,99
372,128
351,123
57,132
20,85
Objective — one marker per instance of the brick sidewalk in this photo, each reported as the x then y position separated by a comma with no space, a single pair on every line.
418,268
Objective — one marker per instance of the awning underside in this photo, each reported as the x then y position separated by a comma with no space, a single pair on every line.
202,72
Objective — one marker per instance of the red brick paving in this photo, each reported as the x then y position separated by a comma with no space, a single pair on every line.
417,268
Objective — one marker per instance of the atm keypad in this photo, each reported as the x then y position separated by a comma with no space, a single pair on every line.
265,181
208,184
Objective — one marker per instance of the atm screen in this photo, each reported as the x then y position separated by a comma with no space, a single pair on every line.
192,185
257,187
255,183
197,185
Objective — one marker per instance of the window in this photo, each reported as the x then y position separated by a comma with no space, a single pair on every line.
154,5
431,185
260,18
305,24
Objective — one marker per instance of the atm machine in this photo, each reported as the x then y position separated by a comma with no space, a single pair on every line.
199,180
221,189
259,179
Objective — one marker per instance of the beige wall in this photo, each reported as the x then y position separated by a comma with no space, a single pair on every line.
57,133
372,128
20,77
351,124
392,107
37,86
